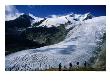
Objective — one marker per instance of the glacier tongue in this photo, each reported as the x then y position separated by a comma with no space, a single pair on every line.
78,46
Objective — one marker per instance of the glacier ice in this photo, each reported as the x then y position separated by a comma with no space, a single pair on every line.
78,45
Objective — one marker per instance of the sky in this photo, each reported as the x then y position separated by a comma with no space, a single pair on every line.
46,10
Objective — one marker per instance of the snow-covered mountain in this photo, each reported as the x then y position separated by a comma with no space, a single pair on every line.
36,19
56,20
85,34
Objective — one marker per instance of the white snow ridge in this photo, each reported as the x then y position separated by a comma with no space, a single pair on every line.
78,45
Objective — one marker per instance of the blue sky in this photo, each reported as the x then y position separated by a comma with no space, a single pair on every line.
13,11
45,10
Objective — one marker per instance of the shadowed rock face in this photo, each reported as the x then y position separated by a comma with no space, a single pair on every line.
18,36
14,28
13,31
23,21
46,36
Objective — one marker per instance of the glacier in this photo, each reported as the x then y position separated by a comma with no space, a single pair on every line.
78,46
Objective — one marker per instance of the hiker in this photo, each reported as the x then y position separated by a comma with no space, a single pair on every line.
70,64
60,67
85,64
49,66
40,65
77,64
45,66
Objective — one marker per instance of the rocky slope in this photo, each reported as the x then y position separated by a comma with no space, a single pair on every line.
22,33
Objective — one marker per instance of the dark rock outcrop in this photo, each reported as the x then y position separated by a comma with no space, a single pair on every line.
18,36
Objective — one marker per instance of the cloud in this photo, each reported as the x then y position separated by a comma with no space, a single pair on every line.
53,16
11,12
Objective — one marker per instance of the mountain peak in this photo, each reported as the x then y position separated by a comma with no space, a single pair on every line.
88,16
26,16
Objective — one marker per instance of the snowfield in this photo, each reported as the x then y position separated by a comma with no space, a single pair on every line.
57,20
78,46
